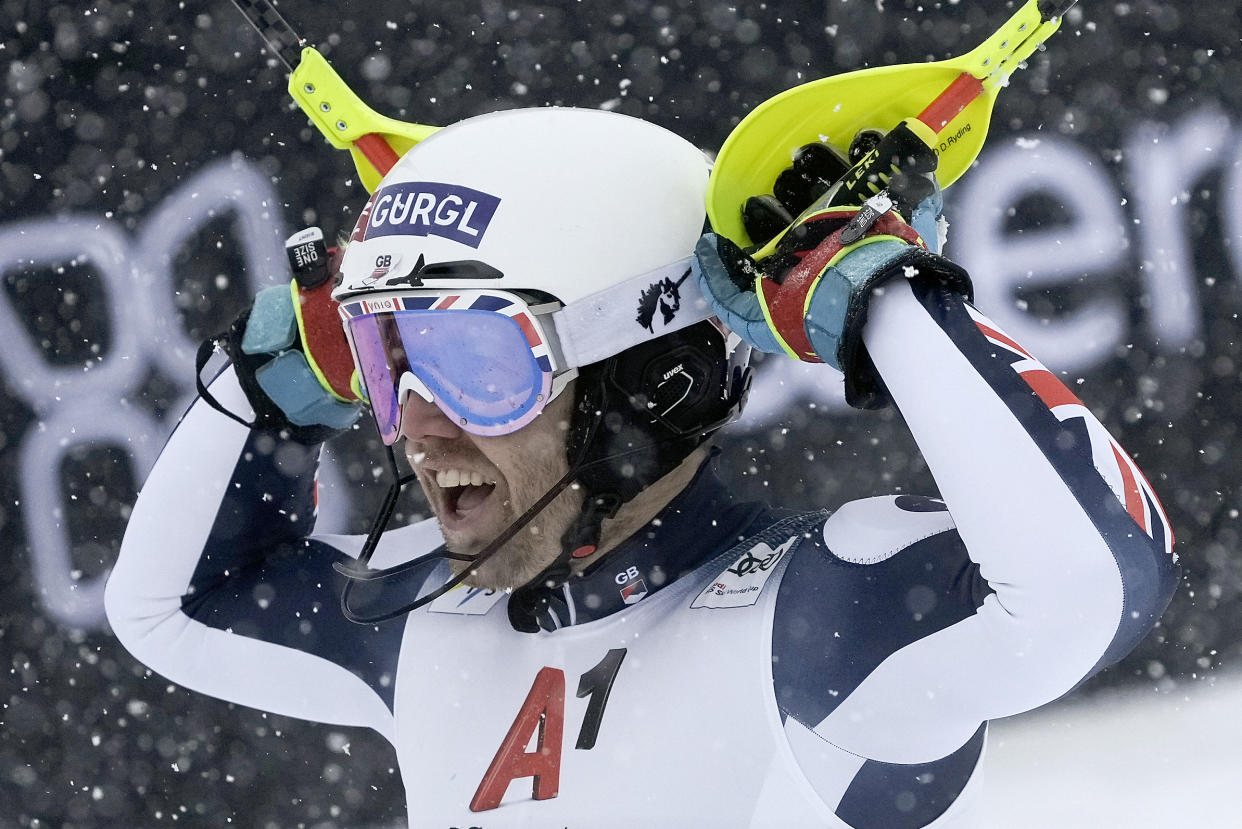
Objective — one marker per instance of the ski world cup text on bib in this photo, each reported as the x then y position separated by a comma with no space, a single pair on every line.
422,208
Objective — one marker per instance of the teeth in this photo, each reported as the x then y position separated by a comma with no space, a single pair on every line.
447,478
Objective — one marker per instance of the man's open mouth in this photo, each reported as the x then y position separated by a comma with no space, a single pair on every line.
463,491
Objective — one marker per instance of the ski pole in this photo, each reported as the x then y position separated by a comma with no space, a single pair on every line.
953,98
374,141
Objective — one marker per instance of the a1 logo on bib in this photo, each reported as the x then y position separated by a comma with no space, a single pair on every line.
742,582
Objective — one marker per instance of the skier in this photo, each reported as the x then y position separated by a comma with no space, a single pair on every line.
593,631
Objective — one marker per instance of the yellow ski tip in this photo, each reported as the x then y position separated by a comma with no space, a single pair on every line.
832,111
343,118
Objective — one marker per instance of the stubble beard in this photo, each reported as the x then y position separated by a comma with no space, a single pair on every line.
534,546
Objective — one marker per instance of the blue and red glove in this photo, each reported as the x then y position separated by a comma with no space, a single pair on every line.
805,293
289,349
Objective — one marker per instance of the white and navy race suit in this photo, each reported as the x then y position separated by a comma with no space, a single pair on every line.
730,665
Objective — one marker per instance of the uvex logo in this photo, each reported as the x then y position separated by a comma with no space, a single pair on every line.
428,208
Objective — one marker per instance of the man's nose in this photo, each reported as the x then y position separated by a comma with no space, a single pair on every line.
423,419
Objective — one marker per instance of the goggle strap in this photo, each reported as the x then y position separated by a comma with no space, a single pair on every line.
592,329
560,381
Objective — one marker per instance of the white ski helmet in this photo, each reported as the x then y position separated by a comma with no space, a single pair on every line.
567,202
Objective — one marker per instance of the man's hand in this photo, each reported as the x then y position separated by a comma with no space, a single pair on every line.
901,163
805,293
290,351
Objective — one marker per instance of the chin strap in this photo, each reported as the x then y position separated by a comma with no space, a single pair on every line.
531,604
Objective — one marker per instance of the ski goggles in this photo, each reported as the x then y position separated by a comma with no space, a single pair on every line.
484,358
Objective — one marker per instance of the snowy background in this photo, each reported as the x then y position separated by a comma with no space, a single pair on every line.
1103,226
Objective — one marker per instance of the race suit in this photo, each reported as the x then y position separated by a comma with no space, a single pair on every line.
730,664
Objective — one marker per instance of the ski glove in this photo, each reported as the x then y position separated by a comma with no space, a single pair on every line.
290,352
805,293
901,163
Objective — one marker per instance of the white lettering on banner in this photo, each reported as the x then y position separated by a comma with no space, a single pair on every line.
466,217
400,209
446,215
1164,164
80,407
1232,198
422,208
1001,263
379,214
80,422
